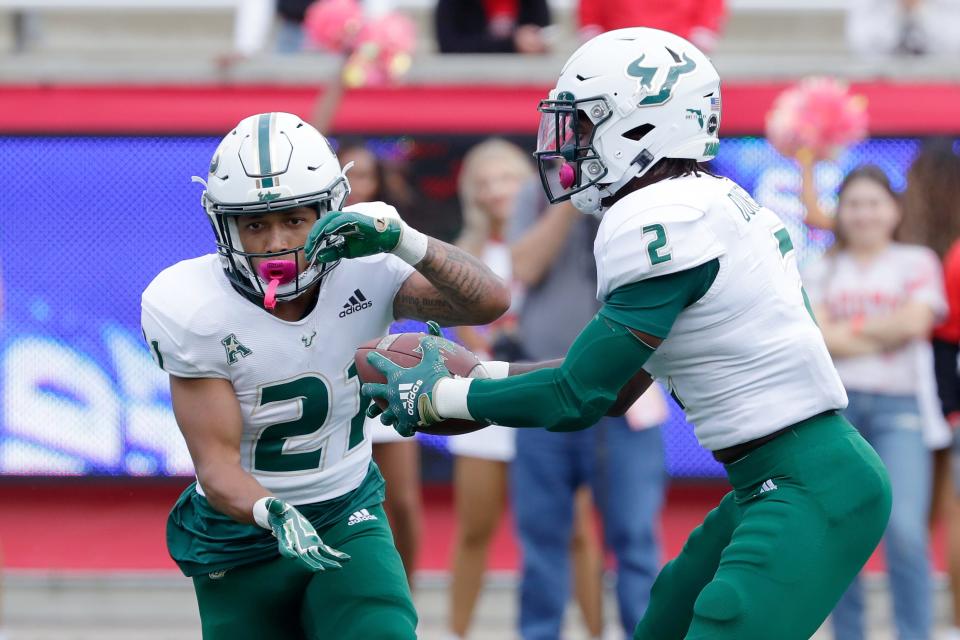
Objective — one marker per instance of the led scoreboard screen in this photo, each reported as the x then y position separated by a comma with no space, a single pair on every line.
87,222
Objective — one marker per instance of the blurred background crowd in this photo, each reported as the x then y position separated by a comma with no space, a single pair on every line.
839,115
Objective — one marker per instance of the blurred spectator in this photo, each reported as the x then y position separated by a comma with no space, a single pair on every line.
290,14
552,250
492,26
932,217
252,23
876,301
490,178
903,26
699,21
936,432
26,29
397,457
252,26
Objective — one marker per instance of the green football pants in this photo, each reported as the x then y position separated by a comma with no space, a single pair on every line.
771,561
279,599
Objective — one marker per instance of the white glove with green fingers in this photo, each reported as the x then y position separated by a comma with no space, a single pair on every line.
295,535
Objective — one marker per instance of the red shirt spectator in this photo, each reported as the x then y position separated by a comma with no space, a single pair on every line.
949,330
491,26
699,21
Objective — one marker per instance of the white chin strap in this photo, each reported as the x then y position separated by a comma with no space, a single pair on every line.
588,200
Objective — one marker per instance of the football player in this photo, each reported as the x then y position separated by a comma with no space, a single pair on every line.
700,289
259,340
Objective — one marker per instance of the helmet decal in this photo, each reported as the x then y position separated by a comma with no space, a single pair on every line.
713,124
643,74
645,77
263,145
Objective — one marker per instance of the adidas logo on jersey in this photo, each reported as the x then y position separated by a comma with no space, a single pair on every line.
356,302
768,485
360,516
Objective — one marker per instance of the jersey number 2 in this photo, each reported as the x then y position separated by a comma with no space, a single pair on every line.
656,247
314,397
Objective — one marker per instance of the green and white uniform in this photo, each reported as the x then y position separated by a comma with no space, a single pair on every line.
747,358
695,262
303,435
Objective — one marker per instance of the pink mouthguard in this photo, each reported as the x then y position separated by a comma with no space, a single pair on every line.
278,272
566,176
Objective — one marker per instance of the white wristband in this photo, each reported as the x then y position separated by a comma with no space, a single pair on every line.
260,513
450,398
496,369
412,246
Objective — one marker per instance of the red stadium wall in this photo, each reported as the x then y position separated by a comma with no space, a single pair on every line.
895,108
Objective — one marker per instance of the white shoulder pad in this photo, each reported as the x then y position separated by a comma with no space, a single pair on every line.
637,245
180,312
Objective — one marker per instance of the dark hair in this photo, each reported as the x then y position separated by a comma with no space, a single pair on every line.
874,174
868,172
665,169
931,202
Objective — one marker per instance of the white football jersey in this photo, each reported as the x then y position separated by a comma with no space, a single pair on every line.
303,435
746,359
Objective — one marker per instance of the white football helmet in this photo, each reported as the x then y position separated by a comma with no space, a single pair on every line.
270,162
649,94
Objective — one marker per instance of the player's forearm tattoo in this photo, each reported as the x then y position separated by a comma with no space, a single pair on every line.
463,291
462,278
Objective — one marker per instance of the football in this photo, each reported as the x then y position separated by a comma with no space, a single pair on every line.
404,349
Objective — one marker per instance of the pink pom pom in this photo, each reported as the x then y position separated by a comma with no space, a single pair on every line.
391,34
818,115
384,48
334,24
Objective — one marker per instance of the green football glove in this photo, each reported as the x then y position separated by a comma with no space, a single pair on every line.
298,539
433,329
360,235
409,392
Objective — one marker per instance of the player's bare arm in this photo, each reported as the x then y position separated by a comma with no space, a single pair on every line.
209,416
451,287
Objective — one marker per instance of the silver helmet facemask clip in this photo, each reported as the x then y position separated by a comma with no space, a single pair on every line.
567,160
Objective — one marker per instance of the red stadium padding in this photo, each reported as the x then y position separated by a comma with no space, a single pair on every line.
94,526
895,108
